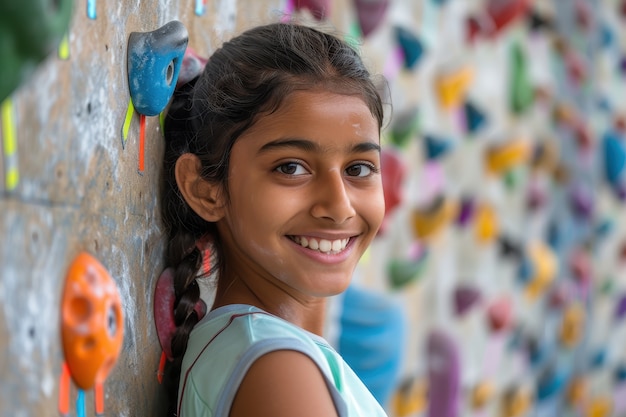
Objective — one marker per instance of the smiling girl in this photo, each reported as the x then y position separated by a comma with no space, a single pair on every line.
273,152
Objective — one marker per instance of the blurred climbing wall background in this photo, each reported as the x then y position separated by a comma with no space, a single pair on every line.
496,287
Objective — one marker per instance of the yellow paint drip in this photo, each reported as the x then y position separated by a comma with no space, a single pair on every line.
9,140
64,47
129,117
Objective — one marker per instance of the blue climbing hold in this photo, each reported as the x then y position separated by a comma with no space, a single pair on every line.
154,60
551,382
474,117
607,37
410,45
598,358
525,271
620,373
373,329
436,146
614,153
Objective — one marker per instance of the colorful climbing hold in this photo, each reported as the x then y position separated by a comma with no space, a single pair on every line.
436,146
411,46
500,314
92,323
501,157
429,220
320,9
486,223
451,86
466,296
497,15
521,90
154,61
370,14
571,330
475,118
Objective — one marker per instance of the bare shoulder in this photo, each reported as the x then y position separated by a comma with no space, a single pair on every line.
283,383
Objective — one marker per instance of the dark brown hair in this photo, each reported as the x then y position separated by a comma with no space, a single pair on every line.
248,77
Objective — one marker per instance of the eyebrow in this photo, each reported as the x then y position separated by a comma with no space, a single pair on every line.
310,146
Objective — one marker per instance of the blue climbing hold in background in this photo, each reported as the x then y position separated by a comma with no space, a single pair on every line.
411,47
436,146
372,339
614,153
474,117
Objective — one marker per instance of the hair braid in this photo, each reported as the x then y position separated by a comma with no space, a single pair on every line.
186,260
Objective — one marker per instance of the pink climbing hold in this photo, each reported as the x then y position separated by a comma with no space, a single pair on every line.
370,14
500,314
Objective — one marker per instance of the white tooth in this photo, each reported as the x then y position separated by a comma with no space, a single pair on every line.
313,244
304,242
325,245
344,243
336,245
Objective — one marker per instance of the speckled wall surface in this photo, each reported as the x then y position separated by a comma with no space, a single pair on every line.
80,190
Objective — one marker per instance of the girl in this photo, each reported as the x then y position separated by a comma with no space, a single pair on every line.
273,152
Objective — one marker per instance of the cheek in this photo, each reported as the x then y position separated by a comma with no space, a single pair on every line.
260,211
374,209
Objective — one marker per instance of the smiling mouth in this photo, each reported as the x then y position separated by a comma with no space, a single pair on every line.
321,245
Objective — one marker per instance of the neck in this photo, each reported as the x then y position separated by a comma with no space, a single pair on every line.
308,313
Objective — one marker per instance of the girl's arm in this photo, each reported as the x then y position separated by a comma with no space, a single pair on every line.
283,383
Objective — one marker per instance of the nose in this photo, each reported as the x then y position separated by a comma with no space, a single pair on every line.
332,199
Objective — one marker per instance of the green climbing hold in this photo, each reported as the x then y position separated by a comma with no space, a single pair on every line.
521,93
29,30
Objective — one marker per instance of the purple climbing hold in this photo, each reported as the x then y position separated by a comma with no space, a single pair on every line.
466,211
465,297
443,375
581,200
620,308
370,14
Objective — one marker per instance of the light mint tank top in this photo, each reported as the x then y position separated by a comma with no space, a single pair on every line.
223,346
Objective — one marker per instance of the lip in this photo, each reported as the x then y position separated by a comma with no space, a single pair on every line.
326,258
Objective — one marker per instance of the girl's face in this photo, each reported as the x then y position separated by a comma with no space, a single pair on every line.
306,196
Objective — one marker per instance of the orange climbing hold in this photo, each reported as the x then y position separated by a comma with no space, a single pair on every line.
482,393
600,406
452,86
486,224
502,157
545,267
411,398
516,402
572,326
429,221
91,321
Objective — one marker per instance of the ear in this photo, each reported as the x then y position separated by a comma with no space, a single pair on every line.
204,197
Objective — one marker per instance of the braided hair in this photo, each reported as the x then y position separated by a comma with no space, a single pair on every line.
248,77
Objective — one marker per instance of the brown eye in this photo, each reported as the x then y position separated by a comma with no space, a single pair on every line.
360,170
291,168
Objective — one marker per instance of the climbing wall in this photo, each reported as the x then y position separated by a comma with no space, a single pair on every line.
504,239
70,185
496,286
